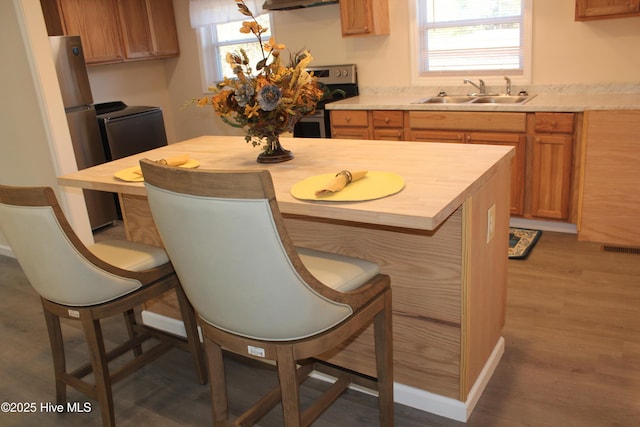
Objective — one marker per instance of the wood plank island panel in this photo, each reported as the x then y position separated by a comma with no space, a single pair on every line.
610,204
448,277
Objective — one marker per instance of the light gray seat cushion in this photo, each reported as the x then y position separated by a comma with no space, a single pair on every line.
129,255
340,272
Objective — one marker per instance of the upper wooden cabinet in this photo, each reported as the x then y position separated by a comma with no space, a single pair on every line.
602,9
364,17
95,21
115,30
148,28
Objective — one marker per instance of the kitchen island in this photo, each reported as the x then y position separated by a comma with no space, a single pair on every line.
443,240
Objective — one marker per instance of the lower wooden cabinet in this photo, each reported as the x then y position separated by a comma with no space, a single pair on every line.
388,125
350,124
517,162
542,173
551,172
610,205
551,155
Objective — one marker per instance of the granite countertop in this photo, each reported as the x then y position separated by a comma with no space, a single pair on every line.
541,102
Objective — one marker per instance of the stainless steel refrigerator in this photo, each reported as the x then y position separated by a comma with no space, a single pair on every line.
83,125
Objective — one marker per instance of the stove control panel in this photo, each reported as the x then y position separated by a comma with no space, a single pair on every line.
335,74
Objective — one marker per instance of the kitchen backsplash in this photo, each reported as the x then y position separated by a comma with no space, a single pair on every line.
604,88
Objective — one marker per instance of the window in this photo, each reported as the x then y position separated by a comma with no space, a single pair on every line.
218,26
472,37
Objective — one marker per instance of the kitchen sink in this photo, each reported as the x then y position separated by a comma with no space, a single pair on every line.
446,99
476,99
502,99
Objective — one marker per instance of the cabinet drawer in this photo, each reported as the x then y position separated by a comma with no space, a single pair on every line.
488,138
388,134
554,122
501,122
349,118
350,132
391,119
435,136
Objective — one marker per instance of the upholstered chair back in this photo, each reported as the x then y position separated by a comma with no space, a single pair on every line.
51,254
224,235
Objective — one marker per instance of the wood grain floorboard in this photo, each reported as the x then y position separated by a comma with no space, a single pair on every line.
572,356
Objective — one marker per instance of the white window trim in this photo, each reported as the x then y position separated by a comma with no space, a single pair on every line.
490,79
204,49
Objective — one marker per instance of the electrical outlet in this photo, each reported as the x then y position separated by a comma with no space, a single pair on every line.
491,222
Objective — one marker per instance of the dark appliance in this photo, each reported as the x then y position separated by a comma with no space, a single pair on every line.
73,78
339,82
128,130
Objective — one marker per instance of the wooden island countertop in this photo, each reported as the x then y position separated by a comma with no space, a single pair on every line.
445,252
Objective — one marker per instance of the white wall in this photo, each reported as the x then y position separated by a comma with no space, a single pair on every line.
35,146
565,52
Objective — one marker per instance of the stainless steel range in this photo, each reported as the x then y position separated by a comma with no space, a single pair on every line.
339,82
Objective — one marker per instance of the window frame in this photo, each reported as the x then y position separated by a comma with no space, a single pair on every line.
455,78
210,67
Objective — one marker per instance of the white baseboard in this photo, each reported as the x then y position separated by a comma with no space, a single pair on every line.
403,394
7,251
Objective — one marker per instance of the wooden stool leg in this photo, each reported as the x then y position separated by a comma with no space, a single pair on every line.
130,321
384,362
217,383
95,342
193,338
57,353
289,386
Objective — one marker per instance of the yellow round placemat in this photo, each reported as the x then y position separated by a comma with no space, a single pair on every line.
373,186
133,173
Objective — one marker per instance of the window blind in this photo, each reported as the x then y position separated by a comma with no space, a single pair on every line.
460,36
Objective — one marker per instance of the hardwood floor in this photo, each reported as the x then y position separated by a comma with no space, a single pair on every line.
572,356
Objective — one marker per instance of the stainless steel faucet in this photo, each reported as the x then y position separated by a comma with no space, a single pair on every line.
481,88
508,85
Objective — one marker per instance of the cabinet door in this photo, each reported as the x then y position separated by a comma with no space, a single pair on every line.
552,156
163,28
610,200
364,17
148,28
517,162
136,32
598,9
96,22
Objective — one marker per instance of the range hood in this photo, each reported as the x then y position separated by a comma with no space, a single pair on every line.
294,4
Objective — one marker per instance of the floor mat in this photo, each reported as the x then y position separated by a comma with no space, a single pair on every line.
521,241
